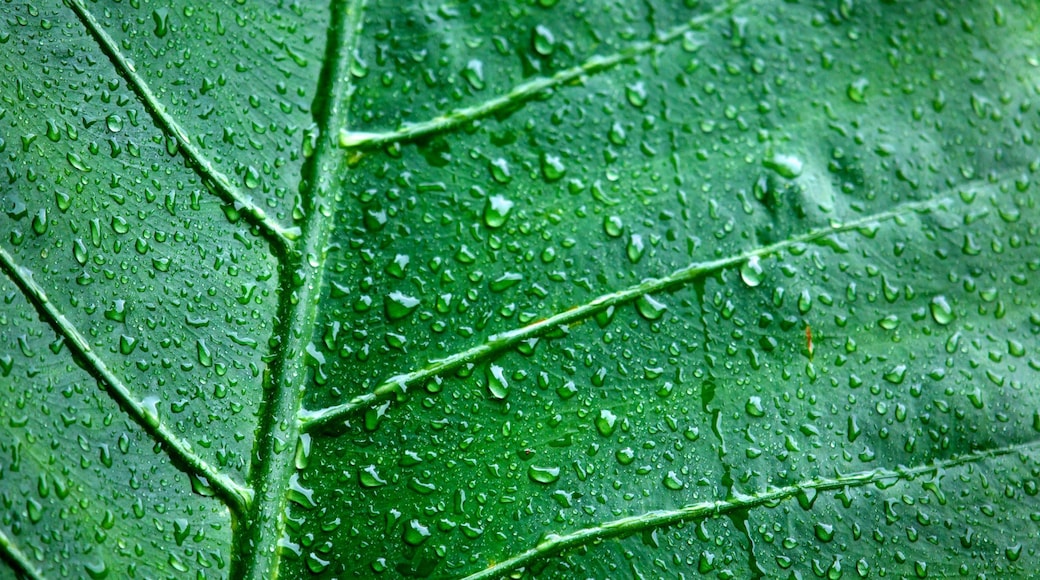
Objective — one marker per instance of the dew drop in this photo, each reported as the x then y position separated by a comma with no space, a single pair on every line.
751,272
496,211
497,383
474,74
399,305
415,533
942,312
543,475
606,422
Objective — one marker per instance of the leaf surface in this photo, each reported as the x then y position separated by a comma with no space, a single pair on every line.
587,289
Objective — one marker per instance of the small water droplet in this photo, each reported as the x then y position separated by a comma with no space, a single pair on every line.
857,90
114,123
751,272
606,422
942,312
543,475
500,170
415,533
542,40
497,383
474,74
496,211
649,308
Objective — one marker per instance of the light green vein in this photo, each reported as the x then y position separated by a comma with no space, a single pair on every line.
259,542
209,172
360,140
311,420
236,496
554,543
18,560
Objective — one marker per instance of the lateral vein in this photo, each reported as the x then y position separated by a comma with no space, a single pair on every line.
530,89
196,158
18,559
496,343
554,543
236,496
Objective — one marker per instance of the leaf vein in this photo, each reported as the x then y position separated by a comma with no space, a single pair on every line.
530,89
554,544
202,164
18,559
236,496
496,343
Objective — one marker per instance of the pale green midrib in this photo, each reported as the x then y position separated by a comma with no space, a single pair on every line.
17,558
528,90
496,343
235,495
257,543
554,544
207,170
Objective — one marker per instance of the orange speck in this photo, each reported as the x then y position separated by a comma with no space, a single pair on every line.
808,340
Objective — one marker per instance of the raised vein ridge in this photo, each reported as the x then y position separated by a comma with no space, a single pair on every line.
259,541
237,497
523,92
498,342
205,168
18,559
555,543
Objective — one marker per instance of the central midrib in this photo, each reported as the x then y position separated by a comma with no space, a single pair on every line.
256,542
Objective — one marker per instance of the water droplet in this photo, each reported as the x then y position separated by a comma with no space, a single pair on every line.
606,422
204,354
751,272
635,248
497,383
552,167
117,312
415,533
542,40
114,123
636,94
474,74
754,408
896,375
617,134
857,90
671,481
613,226
786,166
369,477
544,475
496,211
500,170
625,456
649,308
942,312
161,17
97,571
39,222
399,305
824,532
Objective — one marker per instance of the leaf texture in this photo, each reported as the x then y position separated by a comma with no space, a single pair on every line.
732,288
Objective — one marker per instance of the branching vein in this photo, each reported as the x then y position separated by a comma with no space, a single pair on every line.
18,559
202,164
236,496
554,543
311,420
521,93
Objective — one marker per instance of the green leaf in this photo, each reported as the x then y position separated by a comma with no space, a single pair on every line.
540,289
